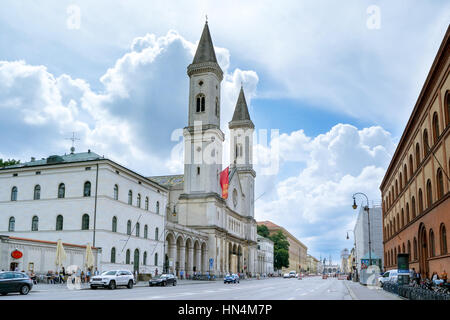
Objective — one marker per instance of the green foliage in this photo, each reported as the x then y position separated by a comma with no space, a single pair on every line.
281,250
263,231
8,162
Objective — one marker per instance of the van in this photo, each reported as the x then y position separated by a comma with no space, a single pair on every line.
388,276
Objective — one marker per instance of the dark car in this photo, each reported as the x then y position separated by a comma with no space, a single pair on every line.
231,278
11,281
163,280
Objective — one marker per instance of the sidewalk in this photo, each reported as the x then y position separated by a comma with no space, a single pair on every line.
360,292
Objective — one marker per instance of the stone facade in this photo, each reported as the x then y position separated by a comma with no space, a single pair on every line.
264,264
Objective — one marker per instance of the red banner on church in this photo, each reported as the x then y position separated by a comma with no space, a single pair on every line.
224,183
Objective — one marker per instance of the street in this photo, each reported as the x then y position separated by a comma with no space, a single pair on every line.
312,288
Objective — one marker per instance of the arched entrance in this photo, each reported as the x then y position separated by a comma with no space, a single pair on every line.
423,251
136,261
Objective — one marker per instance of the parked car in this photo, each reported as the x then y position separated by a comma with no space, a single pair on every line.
112,279
286,275
388,276
292,274
163,280
11,281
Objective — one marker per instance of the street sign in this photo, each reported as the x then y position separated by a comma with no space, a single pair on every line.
211,262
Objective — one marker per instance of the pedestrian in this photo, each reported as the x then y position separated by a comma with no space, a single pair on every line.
156,272
78,276
444,276
88,274
181,274
435,276
96,273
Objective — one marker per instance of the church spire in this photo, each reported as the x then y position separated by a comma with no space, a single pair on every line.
205,50
241,116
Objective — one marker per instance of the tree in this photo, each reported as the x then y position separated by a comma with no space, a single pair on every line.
8,162
263,231
281,250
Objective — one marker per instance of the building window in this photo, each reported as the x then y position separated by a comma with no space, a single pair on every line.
409,250
407,213
129,227
413,207
405,174
426,146
85,222
114,224
435,128
403,218
12,224
145,258
59,222
130,197
14,194
440,184
157,207
417,156
443,240
200,103
420,201
127,258
156,259
116,192
61,191
156,234
138,229
415,248
139,200
410,166
401,182
35,224
145,231
113,255
37,192
429,194
432,244
87,189
146,203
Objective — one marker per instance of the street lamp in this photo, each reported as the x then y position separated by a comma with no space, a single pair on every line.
366,208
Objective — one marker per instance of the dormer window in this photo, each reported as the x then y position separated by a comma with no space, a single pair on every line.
200,103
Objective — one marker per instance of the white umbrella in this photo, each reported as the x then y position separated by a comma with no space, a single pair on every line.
89,258
60,254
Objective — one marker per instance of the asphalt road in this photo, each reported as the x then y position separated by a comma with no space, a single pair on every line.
313,288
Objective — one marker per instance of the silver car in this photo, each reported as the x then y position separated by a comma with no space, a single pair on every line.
112,279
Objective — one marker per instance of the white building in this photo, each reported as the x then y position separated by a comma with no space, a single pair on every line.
83,198
264,264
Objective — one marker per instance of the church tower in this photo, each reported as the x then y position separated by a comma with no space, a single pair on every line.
203,137
241,151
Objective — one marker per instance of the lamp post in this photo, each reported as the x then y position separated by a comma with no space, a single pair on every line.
366,208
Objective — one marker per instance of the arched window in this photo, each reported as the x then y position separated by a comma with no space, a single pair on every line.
415,248
413,207
127,258
145,258
14,194
435,128
145,231
440,184
426,146
130,197
129,227
395,256
408,218
138,229
401,182
396,188
200,103
61,190
411,167
114,224
35,224
146,203
139,200
432,244
87,189
429,194
420,201
116,192
403,248
398,222
156,259
156,234
37,192
403,218
113,255
417,156
12,224
405,174
409,250
85,222
59,222
443,239
157,207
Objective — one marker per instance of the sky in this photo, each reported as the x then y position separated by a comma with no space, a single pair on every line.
330,84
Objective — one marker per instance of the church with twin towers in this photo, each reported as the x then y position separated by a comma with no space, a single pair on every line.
200,222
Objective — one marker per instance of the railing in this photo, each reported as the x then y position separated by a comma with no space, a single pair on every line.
415,293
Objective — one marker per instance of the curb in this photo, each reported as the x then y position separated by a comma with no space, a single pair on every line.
352,294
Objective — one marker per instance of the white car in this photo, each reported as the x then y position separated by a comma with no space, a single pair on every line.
112,279
388,276
292,274
286,275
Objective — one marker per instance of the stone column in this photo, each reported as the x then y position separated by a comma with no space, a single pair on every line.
190,260
198,253
172,257
182,258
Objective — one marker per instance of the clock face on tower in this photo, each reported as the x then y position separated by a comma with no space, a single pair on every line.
235,197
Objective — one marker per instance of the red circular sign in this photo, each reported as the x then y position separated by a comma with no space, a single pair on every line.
16,254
